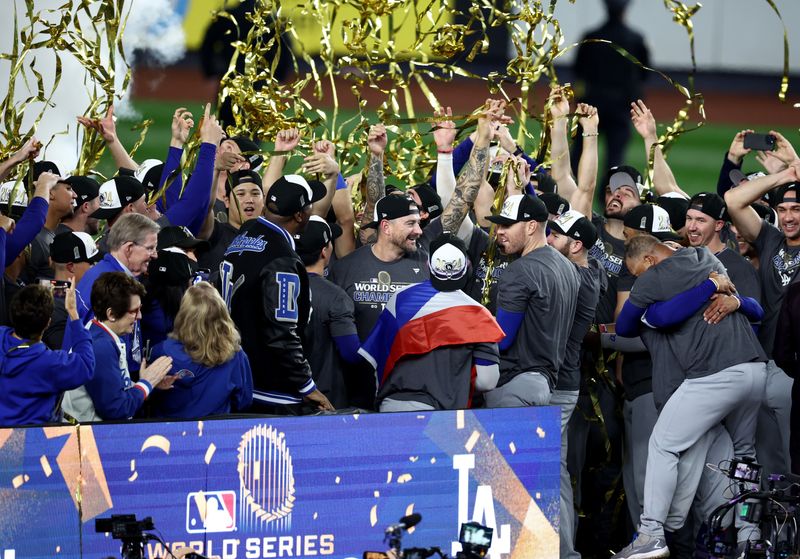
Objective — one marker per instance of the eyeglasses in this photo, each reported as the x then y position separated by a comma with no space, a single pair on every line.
135,312
150,249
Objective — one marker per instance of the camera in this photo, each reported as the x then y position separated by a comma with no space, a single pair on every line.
745,469
130,531
475,540
58,287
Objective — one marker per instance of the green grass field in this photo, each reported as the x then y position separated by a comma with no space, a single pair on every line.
695,158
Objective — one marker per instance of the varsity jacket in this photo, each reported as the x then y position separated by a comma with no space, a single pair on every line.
265,285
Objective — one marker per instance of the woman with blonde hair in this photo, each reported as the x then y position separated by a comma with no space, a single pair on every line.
213,372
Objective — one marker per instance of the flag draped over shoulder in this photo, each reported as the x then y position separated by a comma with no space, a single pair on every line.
418,319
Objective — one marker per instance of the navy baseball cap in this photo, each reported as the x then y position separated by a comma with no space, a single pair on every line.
520,207
555,204
179,236
431,202
392,207
85,188
316,236
711,204
242,177
291,193
250,150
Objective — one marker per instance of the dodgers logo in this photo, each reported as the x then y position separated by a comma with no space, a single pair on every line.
243,243
210,511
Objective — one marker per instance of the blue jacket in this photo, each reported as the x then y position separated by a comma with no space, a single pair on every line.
113,393
133,342
33,376
202,391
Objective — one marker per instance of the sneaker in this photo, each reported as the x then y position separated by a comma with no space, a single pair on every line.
644,547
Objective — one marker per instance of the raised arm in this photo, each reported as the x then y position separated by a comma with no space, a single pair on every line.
323,162
28,151
469,181
559,145
345,216
587,165
645,124
286,141
376,187
107,128
738,200
443,136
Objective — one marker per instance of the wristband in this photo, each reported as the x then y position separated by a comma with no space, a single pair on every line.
519,151
590,134
445,150
340,182
716,285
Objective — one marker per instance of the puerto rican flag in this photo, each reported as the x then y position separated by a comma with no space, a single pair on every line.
418,319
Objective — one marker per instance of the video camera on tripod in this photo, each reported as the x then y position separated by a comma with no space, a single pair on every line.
475,540
130,531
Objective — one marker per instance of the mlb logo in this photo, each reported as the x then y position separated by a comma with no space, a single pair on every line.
210,511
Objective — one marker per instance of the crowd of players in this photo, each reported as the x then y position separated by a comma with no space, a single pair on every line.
251,290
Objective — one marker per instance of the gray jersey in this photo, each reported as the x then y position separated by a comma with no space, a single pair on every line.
369,282
779,265
666,375
332,316
544,286
701,349
593,284
441,378
743,275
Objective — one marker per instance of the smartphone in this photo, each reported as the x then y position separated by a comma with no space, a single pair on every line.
759,142
58,287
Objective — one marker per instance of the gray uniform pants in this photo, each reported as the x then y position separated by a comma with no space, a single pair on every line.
733,395
772,436
640,416
525,389
389,405
566,527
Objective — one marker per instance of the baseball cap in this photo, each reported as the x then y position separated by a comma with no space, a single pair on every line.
291,193
179,236
19,201
575,225
653,220
738,177
766,213
250,150
676,205
545,183
149,174
85,188
40,167
117,193
448,263
74,246
316,236
242,177
431,202
520,207
782,191
625,175
171,267
555,204
392,207
710,204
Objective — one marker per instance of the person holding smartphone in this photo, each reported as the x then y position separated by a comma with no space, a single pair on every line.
32,377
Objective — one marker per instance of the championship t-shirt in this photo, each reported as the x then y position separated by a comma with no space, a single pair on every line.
779,264
369,281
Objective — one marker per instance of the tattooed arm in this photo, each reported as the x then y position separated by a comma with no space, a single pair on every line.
469,181
376,188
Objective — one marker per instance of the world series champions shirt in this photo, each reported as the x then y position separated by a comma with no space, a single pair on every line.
369,281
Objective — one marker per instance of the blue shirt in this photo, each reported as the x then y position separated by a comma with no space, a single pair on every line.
202,391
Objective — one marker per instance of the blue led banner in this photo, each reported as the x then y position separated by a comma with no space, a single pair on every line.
285,487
